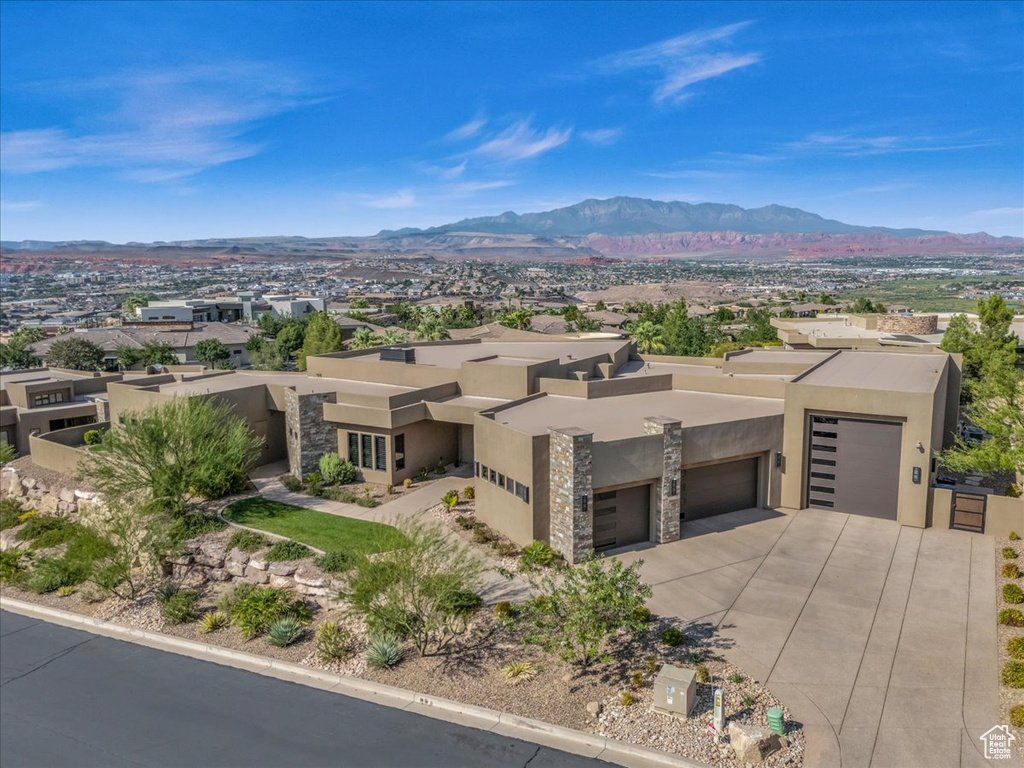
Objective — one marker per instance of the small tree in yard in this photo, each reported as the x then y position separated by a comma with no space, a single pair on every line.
75,353
212,352
426,591
577,609
139,543
166,456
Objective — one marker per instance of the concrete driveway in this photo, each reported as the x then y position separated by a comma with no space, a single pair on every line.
880,639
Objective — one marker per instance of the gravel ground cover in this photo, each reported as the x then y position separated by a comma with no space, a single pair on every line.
1009,697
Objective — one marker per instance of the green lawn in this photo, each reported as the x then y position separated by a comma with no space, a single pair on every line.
317,529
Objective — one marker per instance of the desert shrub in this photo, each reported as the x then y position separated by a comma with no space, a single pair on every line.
194,524
450,499
462,603
642,614
384,651
702,674
51,574
261,607
367,500
228,601
247,541
1014,536
180,608
697,657
338,494
539,554
469,492
285,632
673,637
504,610
291,483
1013,674
336,470
482,535
333,641
504,548
66,591
1014,491
45,531
737,678
423,474
333,562
313,480
749,701
407,483
439,467
1009,553
627,699
12,566
1017,716
651,664
10,512
166,590
1015,647
636,680
389,489
1010,571
518,672
212,621
92,437
465,522
287,550
1013,594
1011,617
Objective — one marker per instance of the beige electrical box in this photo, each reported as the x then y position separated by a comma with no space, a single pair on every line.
675,690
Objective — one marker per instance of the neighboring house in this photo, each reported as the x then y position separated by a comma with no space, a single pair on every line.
182,336
230,309
587,445
41,400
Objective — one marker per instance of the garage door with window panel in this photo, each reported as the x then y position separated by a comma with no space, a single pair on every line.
854,465
622,516
715,489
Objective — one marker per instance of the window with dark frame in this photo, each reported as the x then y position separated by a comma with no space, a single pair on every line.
367,451
353,448
400,451
380,452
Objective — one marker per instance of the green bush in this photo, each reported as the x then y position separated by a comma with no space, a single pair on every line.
367,501
1017,716
338,494
702,674
228,601
333,641
10,511
1009,553
482,535
450,499
439,467
291,483
285,632
1013,594
469,492
737,678
673,637
384,651
45,531
423,475
642,614
336,470
11,566
261,607
462,603
539,554
333,562
1013,674
93,437
465,522
1014,536
627,699
1014,491
313,480
166,590
194,524
1010,571
180,608
51,574
1015,647
247,541
504,610
1011,617
504,548
288,550
697,657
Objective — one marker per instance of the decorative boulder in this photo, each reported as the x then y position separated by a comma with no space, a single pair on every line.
752,743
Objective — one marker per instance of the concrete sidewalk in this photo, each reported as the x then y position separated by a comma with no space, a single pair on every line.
881,639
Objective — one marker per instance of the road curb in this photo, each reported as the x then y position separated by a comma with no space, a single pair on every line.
469,715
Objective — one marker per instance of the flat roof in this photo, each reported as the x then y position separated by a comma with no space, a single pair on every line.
474,401
891,371
642,368
616,418
786,356
302,383
36,375
454,355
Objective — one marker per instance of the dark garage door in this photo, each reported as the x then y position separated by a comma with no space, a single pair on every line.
719,488
622,516
854,466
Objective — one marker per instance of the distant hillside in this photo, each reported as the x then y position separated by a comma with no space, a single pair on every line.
636,216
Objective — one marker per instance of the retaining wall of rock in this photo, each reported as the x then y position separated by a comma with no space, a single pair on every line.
50,498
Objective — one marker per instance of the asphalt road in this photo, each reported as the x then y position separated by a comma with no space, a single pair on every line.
71,698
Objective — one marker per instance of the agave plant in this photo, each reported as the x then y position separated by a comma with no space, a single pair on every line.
286,631
384,651
212,621
518,672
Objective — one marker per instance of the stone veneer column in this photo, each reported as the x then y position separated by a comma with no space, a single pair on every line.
666,503
309,435
571,528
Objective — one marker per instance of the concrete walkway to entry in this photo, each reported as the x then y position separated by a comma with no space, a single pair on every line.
881,639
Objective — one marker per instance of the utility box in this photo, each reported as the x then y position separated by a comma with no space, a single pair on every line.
675,690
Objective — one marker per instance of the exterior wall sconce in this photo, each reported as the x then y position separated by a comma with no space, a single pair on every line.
920,446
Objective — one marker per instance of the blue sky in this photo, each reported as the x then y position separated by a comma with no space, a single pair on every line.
158,121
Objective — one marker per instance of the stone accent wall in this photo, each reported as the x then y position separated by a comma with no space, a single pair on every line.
666,503
102,410
910,324
571,475
309,436
49,498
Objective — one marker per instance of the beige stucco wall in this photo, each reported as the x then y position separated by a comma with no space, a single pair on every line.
63,450
1003,514
39,419
425,442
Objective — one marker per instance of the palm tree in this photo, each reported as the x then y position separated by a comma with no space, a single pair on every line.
517,318
647,336
393,337
363,338
431,329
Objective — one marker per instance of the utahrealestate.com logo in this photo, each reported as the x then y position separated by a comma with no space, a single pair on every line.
998,740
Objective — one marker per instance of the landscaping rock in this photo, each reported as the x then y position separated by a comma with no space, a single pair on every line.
594,708
219,574
185,559
238,556
282,569
308,580
255,575
259,565
66,495
281,582
235,568
752,743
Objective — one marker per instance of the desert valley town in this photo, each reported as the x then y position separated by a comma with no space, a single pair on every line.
550,384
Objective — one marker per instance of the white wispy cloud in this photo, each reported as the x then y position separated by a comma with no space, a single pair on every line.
469,187
520,141
404,198
467,130
173,123
20,205
852,145
683,61
602,137
1000,212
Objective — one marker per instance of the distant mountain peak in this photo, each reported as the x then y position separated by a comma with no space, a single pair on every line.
640,216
